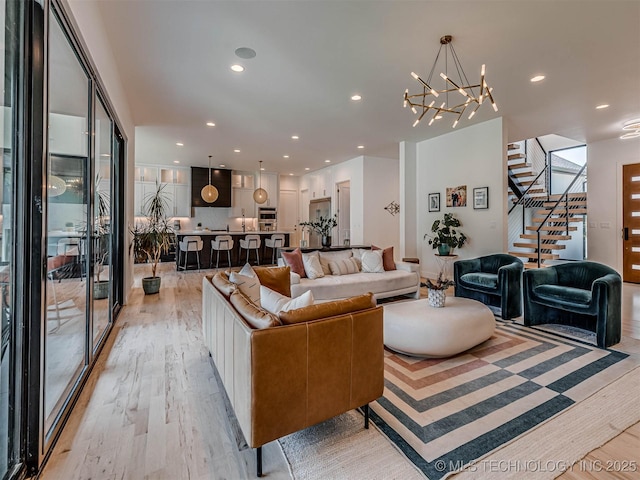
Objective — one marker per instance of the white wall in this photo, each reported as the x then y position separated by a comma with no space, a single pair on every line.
604,198
352,170
408,188
89,27
476,157
381,180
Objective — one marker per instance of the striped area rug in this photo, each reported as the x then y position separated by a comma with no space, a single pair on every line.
446,413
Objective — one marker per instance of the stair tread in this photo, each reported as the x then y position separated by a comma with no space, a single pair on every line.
515,156
517,165
561,211
573,203
513,146
544,246
524,174
570,195
534,255
557,220
534,236
552,228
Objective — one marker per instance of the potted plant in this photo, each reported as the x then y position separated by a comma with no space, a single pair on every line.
437,290
445,236
153,237
322,226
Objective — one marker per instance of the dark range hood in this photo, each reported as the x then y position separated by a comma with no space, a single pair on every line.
220,178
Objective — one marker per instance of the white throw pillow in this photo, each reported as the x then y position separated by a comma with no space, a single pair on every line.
312,266
248,271
274,302
372,261
250,286
344,266
326,257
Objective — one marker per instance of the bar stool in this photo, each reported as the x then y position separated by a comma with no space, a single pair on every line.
276,241
221,242
251,242
190,243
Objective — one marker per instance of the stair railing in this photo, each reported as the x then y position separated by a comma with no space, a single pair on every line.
564,197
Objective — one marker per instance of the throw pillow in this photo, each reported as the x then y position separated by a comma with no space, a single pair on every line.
328,309
275,278
249,286
254,315
312,266
344,267
326,257
387,257
294,260
248,271
372,261
221,281
274,302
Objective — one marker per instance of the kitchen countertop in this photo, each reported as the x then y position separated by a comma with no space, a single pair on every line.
224,232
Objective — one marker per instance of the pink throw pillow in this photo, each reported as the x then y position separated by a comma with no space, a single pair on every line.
294,260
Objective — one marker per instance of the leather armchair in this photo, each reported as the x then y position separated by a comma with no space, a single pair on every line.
495,280
585,295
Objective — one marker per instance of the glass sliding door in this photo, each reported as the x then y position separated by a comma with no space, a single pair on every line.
68,226
102,221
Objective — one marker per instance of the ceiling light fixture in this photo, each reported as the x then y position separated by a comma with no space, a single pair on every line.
285,156
180,144
209,193
295,137
327,161
211,124
307,169
260,194
604,105
176,161
356,97
237,150
419,102
360,146
537,78
237,68
245,52
222,165
632,128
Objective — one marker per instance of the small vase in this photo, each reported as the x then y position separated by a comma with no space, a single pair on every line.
444,249
437,298
326,241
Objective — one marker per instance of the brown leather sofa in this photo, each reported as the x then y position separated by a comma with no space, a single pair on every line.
286,378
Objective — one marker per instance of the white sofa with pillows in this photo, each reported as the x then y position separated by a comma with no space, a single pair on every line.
346,273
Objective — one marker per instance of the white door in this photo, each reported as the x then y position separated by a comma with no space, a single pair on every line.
344,212
288,217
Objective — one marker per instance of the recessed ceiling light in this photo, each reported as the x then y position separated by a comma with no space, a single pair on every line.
211,124
222,165
295,137
262,168
180,144
237,68
537,78
356,97
604,105
307,168
327,161
245,52
176,161
291,174
285,156
237,150
361,146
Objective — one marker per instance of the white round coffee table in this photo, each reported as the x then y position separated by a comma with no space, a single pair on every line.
415,328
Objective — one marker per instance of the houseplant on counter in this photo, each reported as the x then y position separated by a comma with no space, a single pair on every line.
322,226
152,237
445,236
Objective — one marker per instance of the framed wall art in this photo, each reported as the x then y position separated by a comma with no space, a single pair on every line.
457,196
434,202
481,198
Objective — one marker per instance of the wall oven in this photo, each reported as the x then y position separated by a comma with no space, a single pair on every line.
267,219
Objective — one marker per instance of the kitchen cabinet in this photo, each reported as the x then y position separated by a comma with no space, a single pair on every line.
243,180
176,188
270,184
242,202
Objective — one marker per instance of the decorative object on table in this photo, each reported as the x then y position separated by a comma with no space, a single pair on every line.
437,290
445,236
481,198
199,226
463,94
209,193
457,196
393,208
323,227
434,202
260,195
153,237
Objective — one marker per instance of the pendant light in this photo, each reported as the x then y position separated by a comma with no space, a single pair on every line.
56,186
260,195
209,192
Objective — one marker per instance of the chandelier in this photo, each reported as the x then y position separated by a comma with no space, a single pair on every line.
209,193
465,96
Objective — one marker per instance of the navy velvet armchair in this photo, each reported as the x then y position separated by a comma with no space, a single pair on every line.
495,280
586,295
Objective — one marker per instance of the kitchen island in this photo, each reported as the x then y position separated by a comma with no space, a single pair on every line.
237,257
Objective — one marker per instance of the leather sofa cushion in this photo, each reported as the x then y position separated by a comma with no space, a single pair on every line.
294,260
221,281
563,295
328,309
277,279
483,281
254,315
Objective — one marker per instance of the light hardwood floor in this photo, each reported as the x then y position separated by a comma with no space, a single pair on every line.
152,408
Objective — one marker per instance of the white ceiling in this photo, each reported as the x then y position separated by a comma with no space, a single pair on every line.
174,57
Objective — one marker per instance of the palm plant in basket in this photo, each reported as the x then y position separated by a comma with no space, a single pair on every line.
322,226
153,237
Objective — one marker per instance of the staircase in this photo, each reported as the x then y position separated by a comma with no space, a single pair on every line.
546,219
